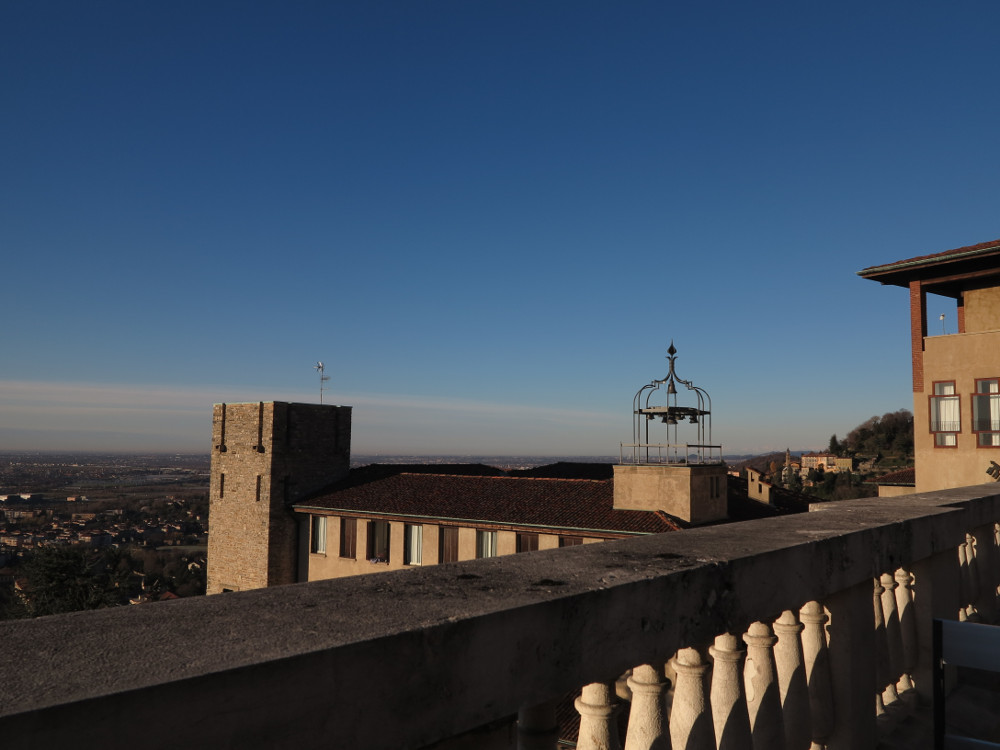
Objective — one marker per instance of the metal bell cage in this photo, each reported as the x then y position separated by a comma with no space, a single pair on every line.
696,419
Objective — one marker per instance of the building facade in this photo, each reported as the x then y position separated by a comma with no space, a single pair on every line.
956,377
386,517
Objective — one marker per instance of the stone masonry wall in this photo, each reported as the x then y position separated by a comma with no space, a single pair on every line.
264,457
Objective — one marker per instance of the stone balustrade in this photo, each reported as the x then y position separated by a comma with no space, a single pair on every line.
805,631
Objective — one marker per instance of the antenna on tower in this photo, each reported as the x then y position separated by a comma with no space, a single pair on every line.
321,368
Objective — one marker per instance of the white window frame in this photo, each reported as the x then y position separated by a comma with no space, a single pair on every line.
413,544
317,535
486,543
945,414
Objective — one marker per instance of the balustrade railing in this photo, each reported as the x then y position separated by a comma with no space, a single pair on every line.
802,632
669,453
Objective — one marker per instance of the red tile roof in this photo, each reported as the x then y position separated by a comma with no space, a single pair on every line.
558,504
906,477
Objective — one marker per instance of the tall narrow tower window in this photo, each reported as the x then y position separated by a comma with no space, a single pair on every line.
222,485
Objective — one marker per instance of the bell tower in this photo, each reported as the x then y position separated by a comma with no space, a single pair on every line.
684,479
265,456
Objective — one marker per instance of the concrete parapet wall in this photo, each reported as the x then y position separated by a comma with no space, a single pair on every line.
407,658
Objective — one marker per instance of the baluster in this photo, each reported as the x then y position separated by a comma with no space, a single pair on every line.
907,635
986,554
816,658
537,728
763,699
885,689
729,702
690,719
792,681
894,636
597,707
970,587
647,719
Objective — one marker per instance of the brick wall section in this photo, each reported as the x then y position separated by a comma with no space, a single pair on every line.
266,456
918,330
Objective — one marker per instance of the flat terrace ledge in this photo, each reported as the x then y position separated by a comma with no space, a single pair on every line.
407,658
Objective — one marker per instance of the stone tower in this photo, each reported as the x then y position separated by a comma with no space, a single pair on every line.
266,456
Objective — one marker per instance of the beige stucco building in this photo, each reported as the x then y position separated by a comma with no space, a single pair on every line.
956,377
389,517
827,462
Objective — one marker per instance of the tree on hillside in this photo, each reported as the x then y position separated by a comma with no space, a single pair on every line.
834,446
890,433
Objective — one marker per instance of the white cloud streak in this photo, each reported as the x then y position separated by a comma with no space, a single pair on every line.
66,415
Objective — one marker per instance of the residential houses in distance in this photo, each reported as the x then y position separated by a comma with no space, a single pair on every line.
828,462
26,528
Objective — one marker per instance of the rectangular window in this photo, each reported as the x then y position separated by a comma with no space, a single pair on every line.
945,420
570,541
527,542
317,535
716,486
986,412
448,544
378,541
486,544
349,537
413,547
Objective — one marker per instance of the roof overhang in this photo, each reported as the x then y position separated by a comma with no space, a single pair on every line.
948,273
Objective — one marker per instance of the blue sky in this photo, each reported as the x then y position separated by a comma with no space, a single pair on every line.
489,219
